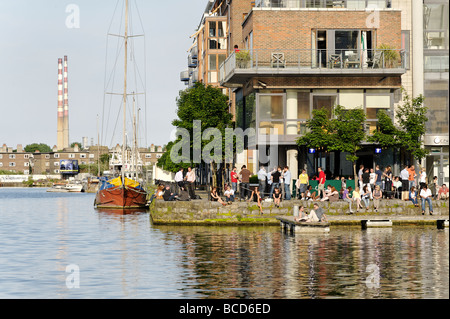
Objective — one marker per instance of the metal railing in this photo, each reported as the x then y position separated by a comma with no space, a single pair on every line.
338,4
305,60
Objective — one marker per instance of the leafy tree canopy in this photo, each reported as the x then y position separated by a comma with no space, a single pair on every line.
42,148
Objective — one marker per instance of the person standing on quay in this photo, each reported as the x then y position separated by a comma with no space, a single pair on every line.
404,175
303,181
322,180
275,177
190,179
423,177
179,179
379,175
245,180
426,195
287,183
411,177
360,173
377,195
262,177
234,177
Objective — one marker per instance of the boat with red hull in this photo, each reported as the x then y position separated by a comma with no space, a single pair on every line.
113,194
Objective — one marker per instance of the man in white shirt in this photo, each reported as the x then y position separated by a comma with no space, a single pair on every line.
262,177
229,195
190,179
179,179
404,176
425,195
287,183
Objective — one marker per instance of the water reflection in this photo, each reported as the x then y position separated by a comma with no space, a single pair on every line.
266,263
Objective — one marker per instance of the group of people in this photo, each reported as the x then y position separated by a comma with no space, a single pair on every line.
374,184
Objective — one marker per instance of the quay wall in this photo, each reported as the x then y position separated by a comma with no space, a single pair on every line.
244,213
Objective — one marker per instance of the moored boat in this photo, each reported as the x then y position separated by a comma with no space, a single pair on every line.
115,194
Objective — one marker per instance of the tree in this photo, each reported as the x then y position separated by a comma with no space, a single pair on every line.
344,133
319,128
408,134
42,148
76,143
411,117
200,104
348,133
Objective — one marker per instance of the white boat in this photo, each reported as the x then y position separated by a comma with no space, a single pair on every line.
71,187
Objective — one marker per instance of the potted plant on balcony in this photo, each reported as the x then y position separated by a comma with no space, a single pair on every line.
243,59
390,55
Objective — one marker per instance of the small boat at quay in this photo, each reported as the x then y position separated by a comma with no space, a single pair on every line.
70,187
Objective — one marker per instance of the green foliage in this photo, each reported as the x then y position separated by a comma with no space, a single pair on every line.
319,127
43,148
390,55
386,135
412,119
76,143
348,131
200,103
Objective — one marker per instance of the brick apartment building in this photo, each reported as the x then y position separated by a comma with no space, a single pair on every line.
299,55
21,162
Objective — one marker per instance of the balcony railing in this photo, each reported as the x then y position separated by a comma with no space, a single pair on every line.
246,63
338,4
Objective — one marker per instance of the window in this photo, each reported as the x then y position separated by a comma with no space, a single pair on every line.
148,155
436,26
324,101
56,164
47,156
1,164
375,102
26,156
83,156
26,164
212,28
1,156
158,155
212,62
12,156
56,155
12,164
351,99
91,155
271,114
71,155
406,46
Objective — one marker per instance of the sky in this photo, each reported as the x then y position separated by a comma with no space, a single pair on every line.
35,33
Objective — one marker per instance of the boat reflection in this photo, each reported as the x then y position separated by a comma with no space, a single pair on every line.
120,212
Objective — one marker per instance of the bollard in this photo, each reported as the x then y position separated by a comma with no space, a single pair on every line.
442,223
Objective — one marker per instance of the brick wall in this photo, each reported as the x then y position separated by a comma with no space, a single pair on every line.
291,29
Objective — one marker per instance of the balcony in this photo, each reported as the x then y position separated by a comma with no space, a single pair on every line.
240,66
184,76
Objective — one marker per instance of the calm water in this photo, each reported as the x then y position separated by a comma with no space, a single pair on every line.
125,256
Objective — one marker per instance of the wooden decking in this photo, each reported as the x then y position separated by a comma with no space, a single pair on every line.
288,223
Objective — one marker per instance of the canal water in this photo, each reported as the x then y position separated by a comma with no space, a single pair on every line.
56,245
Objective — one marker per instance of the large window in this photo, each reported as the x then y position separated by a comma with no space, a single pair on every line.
376,100
271,114
436,26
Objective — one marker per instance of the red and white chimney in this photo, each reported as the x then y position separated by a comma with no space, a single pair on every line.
66,106
60,123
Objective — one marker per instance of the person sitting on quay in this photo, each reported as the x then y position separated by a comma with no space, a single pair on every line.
317,215
184,194
277,197
426,196
365,196
256,197
413,196
332,194
357,198
168,196
229,194
443,192
215,197
346,197
302,216
377,195
311,195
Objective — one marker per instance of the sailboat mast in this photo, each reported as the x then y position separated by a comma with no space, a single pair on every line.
125,90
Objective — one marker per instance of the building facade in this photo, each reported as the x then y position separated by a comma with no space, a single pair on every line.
295,56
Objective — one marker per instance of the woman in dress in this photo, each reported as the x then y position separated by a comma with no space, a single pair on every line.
215,197
256,197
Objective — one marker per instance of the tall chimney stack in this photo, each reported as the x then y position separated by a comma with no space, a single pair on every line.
66,106
60,123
